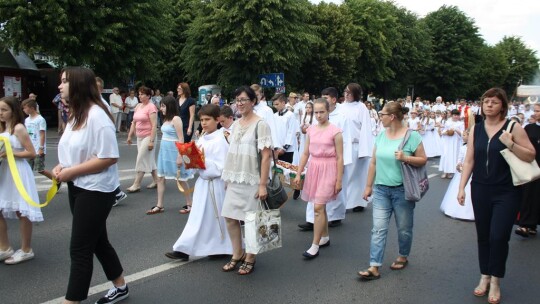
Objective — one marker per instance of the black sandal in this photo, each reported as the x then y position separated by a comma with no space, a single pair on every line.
231,265
370,276
185,210
247,268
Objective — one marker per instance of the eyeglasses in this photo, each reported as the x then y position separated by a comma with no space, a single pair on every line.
242,100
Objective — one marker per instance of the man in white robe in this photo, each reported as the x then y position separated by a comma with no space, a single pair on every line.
286,129
337,208
355,173
266,113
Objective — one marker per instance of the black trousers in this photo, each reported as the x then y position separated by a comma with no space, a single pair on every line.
286,157
495,210
529,215
90,210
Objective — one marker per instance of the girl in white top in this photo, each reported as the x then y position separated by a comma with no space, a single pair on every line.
88,153
12,205
451,142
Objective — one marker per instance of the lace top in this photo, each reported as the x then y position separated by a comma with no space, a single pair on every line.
241,165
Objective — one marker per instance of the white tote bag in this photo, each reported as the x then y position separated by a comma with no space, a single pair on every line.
262,230
522,171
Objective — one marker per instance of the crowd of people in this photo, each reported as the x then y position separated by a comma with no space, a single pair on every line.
350,153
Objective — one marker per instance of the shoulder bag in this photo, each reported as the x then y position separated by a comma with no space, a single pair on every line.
277,196
415,179
522,171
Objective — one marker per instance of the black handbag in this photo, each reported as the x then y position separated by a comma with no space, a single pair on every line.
277,196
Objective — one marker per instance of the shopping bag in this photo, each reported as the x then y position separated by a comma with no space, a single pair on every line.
415,179
262,230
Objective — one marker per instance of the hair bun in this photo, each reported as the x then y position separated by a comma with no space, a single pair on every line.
404,110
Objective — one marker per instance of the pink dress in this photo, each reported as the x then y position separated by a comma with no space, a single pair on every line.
321,176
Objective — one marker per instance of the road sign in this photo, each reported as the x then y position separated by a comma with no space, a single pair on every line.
280,90
272,80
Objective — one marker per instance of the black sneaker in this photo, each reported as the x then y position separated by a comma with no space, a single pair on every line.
114,295
119,197
358,209
306,226
177,255
334,223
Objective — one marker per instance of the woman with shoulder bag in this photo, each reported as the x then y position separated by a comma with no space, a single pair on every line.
495,199
385,182
246,184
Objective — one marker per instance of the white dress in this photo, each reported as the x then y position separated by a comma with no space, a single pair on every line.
449,205
205,232
450,146
430,138
10,200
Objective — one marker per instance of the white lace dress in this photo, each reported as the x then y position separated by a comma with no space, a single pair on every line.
241,172
10,200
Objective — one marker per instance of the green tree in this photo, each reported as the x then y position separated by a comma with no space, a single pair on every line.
521,61
117,38
332,58
455,44
231,42
491,71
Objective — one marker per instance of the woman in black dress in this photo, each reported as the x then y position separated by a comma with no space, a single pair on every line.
186,105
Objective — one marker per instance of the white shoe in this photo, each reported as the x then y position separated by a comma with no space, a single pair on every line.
6,254
19,257
119,197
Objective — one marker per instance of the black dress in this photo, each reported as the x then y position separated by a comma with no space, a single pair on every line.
530,205
183,109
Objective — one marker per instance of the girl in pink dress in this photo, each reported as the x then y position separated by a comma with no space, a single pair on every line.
324,149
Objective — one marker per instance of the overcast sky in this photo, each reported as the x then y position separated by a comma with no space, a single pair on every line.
494,18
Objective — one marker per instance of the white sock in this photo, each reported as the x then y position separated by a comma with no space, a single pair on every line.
121,287
324,240
313,249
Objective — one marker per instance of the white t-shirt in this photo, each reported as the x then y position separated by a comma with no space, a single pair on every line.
131,103
97,139
117,100
33,126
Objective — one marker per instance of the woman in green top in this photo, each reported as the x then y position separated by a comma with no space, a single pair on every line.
385,182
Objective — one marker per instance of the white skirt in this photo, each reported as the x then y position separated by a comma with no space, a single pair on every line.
431,141
450,205
146,159
239,199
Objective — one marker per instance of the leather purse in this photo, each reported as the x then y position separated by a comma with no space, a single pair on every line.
277,196
522,171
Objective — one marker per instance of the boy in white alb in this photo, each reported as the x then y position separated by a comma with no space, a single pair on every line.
36,126
206,232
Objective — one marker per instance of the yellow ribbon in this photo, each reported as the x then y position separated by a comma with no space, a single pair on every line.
17,178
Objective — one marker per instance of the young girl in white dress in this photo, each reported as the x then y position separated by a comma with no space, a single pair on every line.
169,160
205,232
450,205
12,205
451,141
307,121
430,138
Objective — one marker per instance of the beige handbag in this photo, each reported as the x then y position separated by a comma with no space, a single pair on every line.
522,171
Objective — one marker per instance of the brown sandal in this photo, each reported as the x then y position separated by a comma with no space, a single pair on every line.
231,265
247,268
155,210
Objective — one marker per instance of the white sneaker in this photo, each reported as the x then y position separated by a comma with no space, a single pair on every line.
20,256
6,254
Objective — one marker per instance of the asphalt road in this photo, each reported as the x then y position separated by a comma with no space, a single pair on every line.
442,269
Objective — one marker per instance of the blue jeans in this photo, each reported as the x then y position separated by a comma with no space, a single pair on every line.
385,201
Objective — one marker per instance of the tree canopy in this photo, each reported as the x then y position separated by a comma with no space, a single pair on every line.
382,46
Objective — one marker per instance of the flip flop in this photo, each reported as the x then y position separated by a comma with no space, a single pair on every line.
400,265
370,277
522,231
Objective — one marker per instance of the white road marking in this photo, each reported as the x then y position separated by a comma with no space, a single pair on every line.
432,175
131,278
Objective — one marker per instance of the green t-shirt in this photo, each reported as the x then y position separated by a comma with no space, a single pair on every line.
387,167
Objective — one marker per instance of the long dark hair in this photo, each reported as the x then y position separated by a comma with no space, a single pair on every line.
17,115
83,94
171,107
311,115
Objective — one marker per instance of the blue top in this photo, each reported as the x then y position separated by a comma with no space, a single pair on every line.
490,167
169,132
387,167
